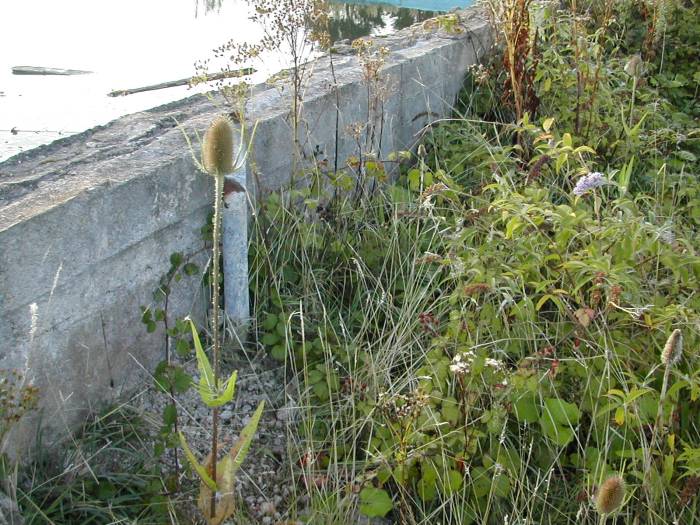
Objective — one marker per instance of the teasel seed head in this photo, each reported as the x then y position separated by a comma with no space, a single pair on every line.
633,67
217,150
673,349
610,495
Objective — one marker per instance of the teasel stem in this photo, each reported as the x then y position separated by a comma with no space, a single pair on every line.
215,292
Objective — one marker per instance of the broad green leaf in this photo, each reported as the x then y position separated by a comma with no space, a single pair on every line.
374,502
526,409
560,435
451,483
562,412
200,469
427,489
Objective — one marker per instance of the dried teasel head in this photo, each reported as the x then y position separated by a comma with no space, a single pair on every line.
673,349
610,495
633,67
217,150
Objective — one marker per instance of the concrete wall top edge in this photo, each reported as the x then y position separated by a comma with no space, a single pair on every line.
135,145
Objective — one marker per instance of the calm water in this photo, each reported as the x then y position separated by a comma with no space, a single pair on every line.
133,43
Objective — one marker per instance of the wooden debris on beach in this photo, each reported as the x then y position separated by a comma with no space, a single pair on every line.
183,82
36,70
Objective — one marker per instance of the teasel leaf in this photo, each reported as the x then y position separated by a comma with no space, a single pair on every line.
198,467
207,384
239,451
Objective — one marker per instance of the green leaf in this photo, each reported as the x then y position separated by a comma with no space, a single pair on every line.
451,483
278,352
560,435
562,412
270,322
239,451
200,469
374,502
170,415
190,269
176,259
181,380
226,396
526,409
205,370
182,348
270,339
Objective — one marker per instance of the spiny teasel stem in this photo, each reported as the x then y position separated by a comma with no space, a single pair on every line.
215,292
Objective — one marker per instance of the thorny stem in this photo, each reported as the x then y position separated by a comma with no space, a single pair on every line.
215,289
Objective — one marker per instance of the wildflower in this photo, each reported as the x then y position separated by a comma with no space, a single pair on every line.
666,233
673,349
589,182
494,363
610,495
461,363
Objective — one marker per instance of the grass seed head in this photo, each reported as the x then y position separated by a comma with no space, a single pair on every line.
610,495
217,151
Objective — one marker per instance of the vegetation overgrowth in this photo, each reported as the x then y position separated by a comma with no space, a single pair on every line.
509,332
506,330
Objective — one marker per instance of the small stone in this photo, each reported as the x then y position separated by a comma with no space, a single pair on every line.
226,415
268,508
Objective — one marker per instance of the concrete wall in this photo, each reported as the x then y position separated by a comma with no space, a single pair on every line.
87,224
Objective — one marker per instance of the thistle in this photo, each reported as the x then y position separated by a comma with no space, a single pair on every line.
610,495
673,349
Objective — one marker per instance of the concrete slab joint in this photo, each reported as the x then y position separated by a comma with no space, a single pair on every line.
87,223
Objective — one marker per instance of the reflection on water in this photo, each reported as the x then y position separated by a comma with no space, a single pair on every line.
355,19
208,5
351,21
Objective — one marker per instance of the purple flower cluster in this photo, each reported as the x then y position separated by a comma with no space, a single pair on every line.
589,182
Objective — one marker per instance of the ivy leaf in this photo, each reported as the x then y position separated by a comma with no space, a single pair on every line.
375,503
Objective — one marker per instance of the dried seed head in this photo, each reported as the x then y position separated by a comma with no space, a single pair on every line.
217,150
634,66
610,495
673,350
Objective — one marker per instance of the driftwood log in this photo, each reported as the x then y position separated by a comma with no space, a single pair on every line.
183,82
36,70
